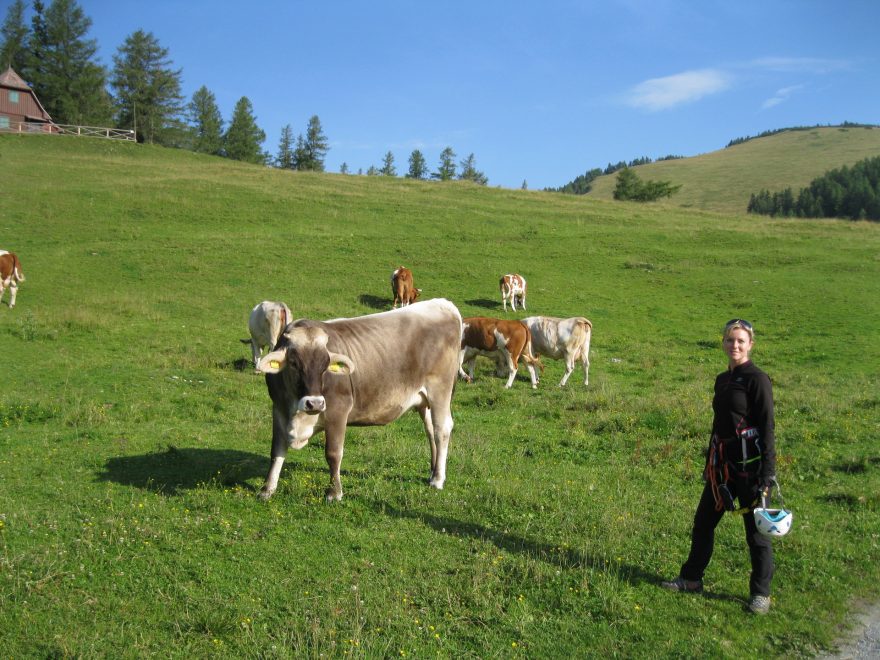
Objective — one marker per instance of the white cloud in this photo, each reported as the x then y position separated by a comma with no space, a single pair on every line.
663,93
781,96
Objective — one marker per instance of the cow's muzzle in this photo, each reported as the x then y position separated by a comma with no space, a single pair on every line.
312,405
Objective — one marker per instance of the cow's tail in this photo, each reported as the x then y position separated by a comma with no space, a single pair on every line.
583,329
16,268
528,356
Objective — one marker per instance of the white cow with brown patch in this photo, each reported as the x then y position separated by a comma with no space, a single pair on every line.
365,371
502,340
513,288
266,323
562,339
10,275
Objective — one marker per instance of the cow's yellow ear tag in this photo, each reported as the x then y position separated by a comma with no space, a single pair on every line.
336,367
275,364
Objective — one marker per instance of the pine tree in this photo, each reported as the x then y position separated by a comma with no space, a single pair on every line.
469,172
243,138
13,51
388,168
148,97
62,68
418,167
343,169
627,184
300,153
630,187
446,169
286,159
524,186
207,123
312,150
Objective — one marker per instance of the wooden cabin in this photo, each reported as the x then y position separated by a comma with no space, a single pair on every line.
20,109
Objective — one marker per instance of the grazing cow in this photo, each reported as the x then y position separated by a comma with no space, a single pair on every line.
364,371
566,339
266,323
402,287
513,288
10,275
503,340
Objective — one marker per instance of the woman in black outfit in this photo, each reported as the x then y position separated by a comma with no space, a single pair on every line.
741,463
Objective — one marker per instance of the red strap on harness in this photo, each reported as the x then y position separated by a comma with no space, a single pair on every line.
717,471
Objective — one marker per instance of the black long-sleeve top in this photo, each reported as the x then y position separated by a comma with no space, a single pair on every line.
744,398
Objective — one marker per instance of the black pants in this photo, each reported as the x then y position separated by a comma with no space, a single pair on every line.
703,539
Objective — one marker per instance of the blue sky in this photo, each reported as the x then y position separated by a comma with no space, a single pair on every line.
537,91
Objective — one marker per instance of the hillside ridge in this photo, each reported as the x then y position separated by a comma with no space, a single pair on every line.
723,180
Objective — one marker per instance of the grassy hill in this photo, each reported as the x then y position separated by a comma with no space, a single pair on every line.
134,435
723,180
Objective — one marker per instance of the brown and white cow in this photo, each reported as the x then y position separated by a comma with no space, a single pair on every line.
402,287
505,341
365,371
266,323
513,288
10,275
562,339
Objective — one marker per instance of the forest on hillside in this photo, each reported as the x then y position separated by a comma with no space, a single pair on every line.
846,192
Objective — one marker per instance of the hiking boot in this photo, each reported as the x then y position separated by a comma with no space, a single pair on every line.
759,604
680,584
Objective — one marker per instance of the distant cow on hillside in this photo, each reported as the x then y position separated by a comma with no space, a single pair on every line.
565,339
10,275
505,341
513,288
402,287
266,323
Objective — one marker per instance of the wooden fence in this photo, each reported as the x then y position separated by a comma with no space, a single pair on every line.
33,127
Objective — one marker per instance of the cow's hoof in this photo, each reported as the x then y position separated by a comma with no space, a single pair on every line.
435,483
332,496
265,494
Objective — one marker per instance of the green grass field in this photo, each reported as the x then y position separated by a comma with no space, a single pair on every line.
134,435
723,180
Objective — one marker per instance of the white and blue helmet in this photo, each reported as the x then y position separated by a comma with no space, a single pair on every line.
773,522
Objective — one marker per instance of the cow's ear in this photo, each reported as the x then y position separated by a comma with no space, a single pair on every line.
340,364
272,363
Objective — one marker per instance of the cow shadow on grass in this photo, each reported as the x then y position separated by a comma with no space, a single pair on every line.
484,303
374,302
563,557
175,469
238,364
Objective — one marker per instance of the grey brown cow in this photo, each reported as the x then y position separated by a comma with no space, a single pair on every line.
365,371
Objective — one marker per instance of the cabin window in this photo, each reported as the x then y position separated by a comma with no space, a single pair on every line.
4,122
13,96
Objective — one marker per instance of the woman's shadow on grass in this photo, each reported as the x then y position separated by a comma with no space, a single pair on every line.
178,469
565,557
